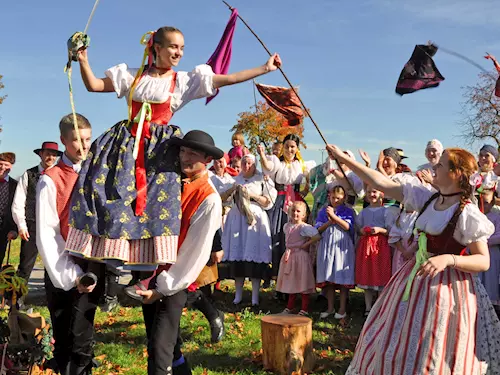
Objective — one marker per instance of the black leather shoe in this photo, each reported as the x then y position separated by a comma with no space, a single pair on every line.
131,291
217,328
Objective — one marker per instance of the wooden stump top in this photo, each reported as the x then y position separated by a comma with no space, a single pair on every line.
287,320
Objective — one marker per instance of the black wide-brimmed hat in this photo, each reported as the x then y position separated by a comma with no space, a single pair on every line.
200,141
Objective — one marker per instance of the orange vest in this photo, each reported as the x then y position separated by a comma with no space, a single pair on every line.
64,178
193,194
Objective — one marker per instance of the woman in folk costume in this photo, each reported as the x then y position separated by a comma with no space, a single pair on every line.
222,177
433,152
434,316
353,186
486,179
317,185
491,278
288,172
246,238
388,164
129,210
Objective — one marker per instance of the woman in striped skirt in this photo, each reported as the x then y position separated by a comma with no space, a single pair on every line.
434,316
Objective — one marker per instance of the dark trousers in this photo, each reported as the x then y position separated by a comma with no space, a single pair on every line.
3,245
112,281
72,315
162,320
29,252
199,300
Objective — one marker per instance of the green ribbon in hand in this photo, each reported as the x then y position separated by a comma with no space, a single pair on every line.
420,258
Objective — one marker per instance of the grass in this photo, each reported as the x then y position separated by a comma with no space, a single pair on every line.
121,335
121,338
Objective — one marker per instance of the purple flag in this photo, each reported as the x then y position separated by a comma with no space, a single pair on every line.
221,58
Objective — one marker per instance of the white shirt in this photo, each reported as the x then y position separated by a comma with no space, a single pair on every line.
59,264
195,251
19,202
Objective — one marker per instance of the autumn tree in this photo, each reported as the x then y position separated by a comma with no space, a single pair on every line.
264,124
481,111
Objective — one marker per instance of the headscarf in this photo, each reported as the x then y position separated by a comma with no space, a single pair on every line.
248,156
490,150
435,144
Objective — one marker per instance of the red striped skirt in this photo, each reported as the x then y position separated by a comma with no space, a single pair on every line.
448,326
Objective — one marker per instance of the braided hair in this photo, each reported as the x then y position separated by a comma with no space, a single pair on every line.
464,164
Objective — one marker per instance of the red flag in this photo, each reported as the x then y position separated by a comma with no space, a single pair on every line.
283,100
221,58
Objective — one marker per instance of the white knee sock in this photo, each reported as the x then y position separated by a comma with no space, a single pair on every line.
238,283
255,291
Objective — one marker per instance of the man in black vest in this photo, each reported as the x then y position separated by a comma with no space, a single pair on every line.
24,206
8,228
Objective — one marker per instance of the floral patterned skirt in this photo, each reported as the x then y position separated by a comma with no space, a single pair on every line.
103,223
448,326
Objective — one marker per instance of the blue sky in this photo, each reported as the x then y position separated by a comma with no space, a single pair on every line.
345,56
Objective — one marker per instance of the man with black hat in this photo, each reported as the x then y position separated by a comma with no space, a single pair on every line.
24,206
8,228
201,213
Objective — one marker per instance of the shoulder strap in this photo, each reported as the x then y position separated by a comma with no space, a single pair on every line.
424,207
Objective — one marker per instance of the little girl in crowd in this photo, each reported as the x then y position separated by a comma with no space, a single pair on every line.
296,274
373,254
336,256
239,149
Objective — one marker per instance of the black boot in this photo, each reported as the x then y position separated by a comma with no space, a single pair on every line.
217,328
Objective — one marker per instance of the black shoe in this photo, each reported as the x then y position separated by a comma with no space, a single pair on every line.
183,369
109,304
130,291
217,328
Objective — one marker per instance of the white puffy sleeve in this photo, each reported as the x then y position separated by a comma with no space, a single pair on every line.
122,78
308,231
415,195
473,226
196,84
274,164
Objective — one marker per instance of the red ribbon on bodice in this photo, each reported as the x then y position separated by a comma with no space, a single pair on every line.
161,115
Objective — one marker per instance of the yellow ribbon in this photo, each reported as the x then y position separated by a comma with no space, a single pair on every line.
420,258
144,41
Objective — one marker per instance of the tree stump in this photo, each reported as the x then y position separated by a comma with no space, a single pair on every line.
287,346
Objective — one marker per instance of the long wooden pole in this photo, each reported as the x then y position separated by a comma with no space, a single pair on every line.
296,93
282,72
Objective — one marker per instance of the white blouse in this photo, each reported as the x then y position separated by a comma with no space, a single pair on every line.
286,173
472,225
259,186
222,184
188,86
